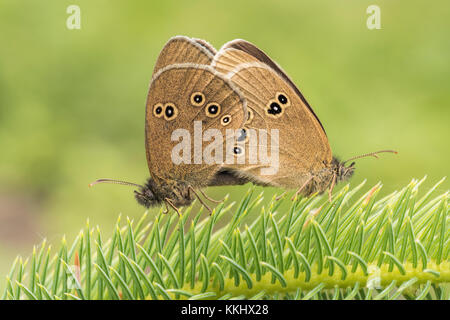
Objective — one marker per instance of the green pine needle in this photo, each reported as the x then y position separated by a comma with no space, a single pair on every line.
396,247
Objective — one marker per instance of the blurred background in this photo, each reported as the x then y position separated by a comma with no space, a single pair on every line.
72,101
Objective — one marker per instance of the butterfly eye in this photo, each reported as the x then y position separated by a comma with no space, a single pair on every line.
197,99
158,110
212,110
170,111
282,98
225,120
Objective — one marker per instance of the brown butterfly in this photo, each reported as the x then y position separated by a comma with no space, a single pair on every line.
185,90
273,101
237,88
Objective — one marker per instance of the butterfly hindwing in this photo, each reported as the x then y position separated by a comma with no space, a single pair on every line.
182,96
181,49
274,103
256,53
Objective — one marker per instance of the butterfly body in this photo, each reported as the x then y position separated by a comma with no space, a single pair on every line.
153,194
322,179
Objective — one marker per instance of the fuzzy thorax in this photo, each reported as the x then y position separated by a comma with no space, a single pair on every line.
328,176
152,194
342,172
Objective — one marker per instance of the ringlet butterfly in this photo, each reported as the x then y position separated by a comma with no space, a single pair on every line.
274,101
184,89
249,90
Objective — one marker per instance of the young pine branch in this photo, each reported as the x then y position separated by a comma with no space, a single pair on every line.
395,247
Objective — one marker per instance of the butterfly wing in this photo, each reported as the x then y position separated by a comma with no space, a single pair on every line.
254,53
181,49
182,96
274,103
206,45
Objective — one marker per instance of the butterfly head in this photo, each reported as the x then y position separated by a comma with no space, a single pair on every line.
344,172
341,171
146,195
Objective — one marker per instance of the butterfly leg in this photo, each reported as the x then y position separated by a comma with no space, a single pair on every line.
167,201
280,196
210,199
167,208
301,188
200,199
333,183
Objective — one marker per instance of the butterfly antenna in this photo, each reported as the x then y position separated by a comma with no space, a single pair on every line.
372,154
115,182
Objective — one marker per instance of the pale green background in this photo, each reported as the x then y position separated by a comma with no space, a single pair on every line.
72,102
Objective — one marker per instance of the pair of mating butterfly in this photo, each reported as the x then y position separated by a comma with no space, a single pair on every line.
238,87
